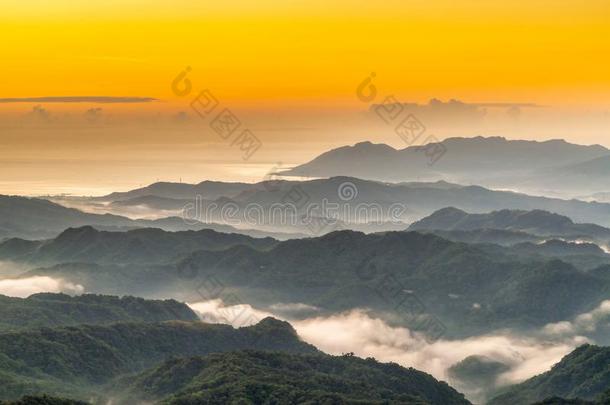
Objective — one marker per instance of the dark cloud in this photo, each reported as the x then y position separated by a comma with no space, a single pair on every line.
79,99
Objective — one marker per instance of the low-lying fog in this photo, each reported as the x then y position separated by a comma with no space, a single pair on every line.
521,356
15,283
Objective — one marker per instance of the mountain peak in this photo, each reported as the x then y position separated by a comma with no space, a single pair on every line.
81,232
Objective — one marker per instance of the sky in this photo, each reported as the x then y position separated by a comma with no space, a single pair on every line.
289,69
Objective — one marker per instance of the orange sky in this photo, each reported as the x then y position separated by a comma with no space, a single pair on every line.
289,69
295,53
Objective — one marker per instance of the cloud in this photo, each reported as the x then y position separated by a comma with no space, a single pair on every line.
585,323
24,287
357,332
293,308
11,269
78,99
216,311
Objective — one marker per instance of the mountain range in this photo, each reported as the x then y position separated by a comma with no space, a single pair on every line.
471,288
534,222
553,166
280,206
37,218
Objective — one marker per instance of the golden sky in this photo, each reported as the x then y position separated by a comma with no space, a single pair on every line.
290,69
310,52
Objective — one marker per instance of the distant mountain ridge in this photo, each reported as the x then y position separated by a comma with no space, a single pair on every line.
491,161
35,218
341,270
415,200
182,191
536,222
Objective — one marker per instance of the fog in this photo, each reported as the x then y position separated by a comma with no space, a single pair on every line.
585,323
358,332
24,287
11,269
215,311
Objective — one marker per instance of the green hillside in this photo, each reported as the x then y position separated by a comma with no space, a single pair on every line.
250,377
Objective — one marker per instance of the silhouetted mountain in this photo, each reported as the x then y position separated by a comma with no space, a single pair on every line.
33,218
181,191
48,309
288,209
373,202
492,161
536,222
79,360
263,377
583,374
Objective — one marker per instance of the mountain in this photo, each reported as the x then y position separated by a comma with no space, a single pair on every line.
536,222
42,400
34,218
560,248
139,246
77,361
486,235
477,375
471,288
269,377
51,310
182,191
492,161
582,177
357,203
583,374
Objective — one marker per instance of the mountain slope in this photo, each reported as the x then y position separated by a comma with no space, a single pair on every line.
182,191
263,377
536,222
33,218
471,288
584,374
401,202
62,310
73,360
137,246
469,160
